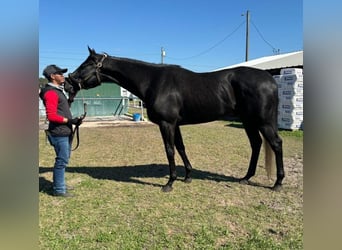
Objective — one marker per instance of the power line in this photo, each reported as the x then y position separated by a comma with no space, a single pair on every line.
262,37
212,47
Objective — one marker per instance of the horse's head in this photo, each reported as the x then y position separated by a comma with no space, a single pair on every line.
86,76
71,88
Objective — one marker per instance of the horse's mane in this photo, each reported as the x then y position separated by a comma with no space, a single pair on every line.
159,65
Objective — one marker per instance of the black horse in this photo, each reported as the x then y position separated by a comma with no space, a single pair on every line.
175,96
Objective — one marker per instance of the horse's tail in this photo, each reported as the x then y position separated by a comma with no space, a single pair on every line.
269,159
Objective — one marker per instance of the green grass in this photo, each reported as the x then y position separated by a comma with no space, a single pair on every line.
295,133
118,173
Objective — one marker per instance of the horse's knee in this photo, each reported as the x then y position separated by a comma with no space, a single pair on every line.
170,152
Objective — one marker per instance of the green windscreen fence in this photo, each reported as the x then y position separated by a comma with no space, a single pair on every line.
104,100
100,106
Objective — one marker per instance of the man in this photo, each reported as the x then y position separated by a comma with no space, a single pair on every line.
60,125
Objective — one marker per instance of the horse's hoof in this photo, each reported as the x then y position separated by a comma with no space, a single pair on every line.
277,187
166,189
188,180
244,182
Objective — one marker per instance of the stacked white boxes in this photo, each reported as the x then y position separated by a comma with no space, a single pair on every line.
291,101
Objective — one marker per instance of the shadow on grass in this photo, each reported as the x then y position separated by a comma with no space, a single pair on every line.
135,174
235,125
45,186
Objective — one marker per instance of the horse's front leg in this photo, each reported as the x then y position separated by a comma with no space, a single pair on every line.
168,133
181,150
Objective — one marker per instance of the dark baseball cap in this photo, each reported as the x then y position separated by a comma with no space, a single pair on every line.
53,69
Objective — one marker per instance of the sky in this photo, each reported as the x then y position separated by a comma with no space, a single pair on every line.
200,35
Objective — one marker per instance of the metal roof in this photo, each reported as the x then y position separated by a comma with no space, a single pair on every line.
273,62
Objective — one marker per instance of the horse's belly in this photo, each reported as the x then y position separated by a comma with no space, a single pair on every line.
206,114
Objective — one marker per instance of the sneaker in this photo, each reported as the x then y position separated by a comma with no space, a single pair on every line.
63,194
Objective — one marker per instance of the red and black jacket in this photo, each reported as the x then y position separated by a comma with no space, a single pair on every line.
57,107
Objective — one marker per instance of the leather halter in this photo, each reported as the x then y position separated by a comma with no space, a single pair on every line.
98,66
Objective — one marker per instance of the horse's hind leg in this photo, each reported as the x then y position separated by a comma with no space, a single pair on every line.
271,135
255,142
181,150
168,133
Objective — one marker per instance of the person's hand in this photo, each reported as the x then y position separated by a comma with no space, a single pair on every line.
76,121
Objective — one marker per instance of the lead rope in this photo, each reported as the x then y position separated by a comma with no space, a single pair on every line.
77,127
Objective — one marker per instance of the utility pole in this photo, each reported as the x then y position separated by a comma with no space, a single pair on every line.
247,33
163,54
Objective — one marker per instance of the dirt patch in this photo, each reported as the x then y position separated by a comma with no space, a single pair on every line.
294,171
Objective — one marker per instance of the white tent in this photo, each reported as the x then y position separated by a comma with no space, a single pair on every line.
287,60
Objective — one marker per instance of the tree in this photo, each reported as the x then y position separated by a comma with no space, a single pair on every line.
42,82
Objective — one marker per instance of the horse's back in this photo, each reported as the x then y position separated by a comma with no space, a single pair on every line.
251,78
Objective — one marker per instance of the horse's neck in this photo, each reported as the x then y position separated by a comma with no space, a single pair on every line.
131,75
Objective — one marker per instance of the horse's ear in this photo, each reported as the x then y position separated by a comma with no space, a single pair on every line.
91,51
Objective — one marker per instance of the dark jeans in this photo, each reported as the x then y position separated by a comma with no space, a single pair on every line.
62,148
